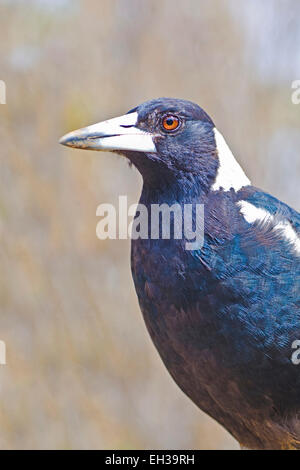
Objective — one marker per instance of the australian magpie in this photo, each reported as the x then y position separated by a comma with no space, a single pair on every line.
224,317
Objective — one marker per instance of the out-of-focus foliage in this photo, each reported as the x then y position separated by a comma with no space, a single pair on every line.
81,370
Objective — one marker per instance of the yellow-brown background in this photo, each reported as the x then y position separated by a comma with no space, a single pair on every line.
81,371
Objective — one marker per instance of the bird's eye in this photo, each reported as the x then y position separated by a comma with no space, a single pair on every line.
170,123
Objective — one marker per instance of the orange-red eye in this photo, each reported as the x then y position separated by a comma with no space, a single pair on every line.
170,123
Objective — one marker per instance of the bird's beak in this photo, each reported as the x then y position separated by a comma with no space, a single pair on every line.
115,134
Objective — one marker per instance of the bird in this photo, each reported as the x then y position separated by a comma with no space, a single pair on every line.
224,316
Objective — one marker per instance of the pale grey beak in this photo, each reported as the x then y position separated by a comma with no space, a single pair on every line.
115,134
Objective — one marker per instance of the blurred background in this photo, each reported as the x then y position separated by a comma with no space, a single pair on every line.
81,370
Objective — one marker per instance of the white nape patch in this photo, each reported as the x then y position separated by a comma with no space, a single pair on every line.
230,174
253,214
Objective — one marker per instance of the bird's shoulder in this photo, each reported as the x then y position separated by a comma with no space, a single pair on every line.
252,216
251,253
265,201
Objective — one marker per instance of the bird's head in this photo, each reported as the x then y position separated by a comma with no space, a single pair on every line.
167,140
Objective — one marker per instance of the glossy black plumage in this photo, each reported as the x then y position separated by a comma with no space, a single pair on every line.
223,318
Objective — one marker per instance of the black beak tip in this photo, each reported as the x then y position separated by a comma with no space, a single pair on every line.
67,140
63,141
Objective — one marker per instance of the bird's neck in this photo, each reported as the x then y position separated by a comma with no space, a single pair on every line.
183,190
